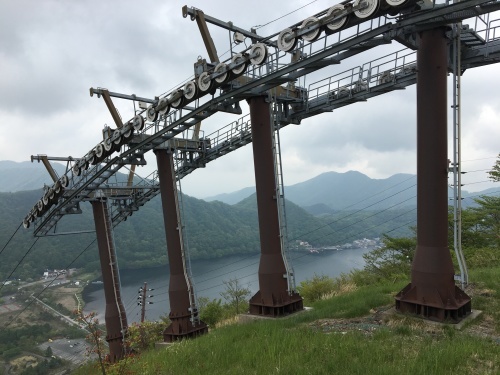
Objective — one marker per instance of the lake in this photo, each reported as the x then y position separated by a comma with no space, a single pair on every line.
209,277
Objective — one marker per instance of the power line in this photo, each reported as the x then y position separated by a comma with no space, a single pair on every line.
48,285
293,11
10,238
351,214
19,263
357,222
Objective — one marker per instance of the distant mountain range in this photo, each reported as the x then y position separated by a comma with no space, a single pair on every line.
25,175
322,195
332,191
214,229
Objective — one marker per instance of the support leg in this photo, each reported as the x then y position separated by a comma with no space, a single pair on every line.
273,298
115,317
183,313
432,292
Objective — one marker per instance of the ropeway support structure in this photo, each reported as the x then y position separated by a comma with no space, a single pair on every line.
275,296
183,315
432,292
281,62
114,317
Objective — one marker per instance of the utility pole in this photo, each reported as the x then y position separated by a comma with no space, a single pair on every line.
142,300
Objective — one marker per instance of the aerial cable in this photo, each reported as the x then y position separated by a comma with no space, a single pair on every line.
294,259
492,157
477,182
253,254
402,214
48,285
357,222
10,238
293,11
19,263
480,195
351,214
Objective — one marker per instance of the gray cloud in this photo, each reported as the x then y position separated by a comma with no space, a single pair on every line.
51,52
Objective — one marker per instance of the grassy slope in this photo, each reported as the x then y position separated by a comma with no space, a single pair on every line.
300,345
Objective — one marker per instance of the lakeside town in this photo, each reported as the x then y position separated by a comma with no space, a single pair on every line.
365,243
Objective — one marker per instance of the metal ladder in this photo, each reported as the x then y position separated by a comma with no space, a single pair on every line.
280,197
186,261
456,166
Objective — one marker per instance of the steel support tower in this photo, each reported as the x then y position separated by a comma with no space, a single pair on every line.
115,317
432,292
274,297
183,313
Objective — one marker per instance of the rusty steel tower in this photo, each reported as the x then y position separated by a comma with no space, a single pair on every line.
432,292
278,64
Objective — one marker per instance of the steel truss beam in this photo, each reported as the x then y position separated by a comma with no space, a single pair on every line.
186,118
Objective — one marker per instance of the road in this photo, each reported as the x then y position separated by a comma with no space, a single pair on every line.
63,317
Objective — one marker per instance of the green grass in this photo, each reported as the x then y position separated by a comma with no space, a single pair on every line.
296,346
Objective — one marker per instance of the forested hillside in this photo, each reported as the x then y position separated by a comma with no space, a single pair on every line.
214,229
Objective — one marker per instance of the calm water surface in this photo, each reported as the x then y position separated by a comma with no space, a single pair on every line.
209,276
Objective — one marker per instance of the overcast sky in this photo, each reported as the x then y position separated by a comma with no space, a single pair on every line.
52,52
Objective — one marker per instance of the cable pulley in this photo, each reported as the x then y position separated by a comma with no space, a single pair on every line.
313,34
129,132
339,23
242,61
163,106
258,54
76,170
151,114
179,102
117,137
221,68
287,40
64,181
108,145
190,90
370,8
138,122
204,82
99,151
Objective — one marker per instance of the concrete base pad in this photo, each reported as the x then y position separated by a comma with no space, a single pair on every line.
469,318
246,318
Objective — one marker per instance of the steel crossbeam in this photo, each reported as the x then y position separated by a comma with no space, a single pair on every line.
261,80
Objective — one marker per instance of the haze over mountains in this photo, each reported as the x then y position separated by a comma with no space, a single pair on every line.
323,194
332,191
25,175
330,209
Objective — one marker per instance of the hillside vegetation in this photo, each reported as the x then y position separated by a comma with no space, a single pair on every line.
350,333
214,229
352,328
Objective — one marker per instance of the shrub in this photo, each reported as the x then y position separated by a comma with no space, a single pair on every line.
314,289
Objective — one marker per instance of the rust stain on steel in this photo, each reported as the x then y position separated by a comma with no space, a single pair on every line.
273,298
115,316
180,315
432,292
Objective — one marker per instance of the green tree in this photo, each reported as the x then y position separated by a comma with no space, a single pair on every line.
48,352
95,336
488,218
144,335
211,311
393,259
314,289
495,170
472,233
235,294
